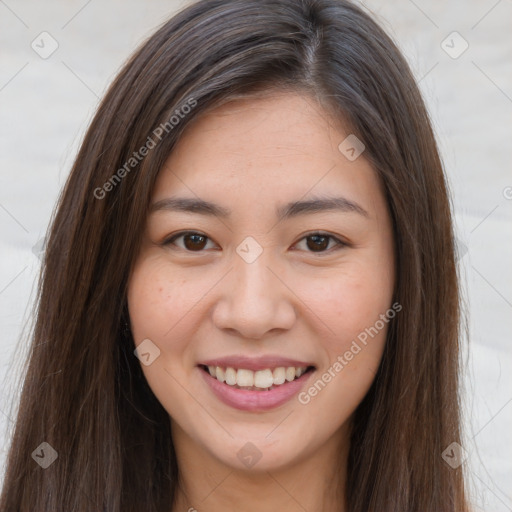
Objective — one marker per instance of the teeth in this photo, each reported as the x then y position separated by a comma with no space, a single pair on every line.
290,373
230,376
279,375
245,378
218,373
261,379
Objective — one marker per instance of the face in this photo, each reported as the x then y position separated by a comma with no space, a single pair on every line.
263,288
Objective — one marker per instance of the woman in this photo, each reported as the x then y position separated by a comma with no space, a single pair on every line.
249,296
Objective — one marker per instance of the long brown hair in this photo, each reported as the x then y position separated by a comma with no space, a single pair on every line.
84,392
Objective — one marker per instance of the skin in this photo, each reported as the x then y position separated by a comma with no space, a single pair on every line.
251,156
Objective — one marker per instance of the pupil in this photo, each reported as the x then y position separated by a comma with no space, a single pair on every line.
198,241
320,241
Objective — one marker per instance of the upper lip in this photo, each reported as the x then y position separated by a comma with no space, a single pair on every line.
255,363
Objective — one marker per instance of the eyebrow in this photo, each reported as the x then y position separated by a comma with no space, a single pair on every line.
289,210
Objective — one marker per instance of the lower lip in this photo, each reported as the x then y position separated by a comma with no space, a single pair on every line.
254,401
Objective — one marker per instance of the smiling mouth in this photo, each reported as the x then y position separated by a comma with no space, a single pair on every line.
260,380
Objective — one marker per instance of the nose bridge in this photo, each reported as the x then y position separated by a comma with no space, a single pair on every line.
253,281
254,300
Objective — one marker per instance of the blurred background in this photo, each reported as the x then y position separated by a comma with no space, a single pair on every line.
57,59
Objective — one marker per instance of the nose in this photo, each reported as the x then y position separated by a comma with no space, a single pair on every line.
254,301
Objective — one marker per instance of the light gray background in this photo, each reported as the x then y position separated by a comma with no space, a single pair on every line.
46,105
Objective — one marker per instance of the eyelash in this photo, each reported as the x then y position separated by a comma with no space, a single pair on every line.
339,243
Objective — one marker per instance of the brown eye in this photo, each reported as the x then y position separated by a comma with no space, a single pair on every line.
197,242
320,243
192,241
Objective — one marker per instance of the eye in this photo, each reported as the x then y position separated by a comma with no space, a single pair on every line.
321,242
192,241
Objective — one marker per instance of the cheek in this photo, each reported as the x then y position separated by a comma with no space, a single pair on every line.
352,307
159,299
348,302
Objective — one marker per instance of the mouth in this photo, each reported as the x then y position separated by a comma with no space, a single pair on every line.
255,390
260,380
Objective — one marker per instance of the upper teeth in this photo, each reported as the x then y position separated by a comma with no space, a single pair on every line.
260,379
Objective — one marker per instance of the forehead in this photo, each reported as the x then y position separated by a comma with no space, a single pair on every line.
284,144
275,127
